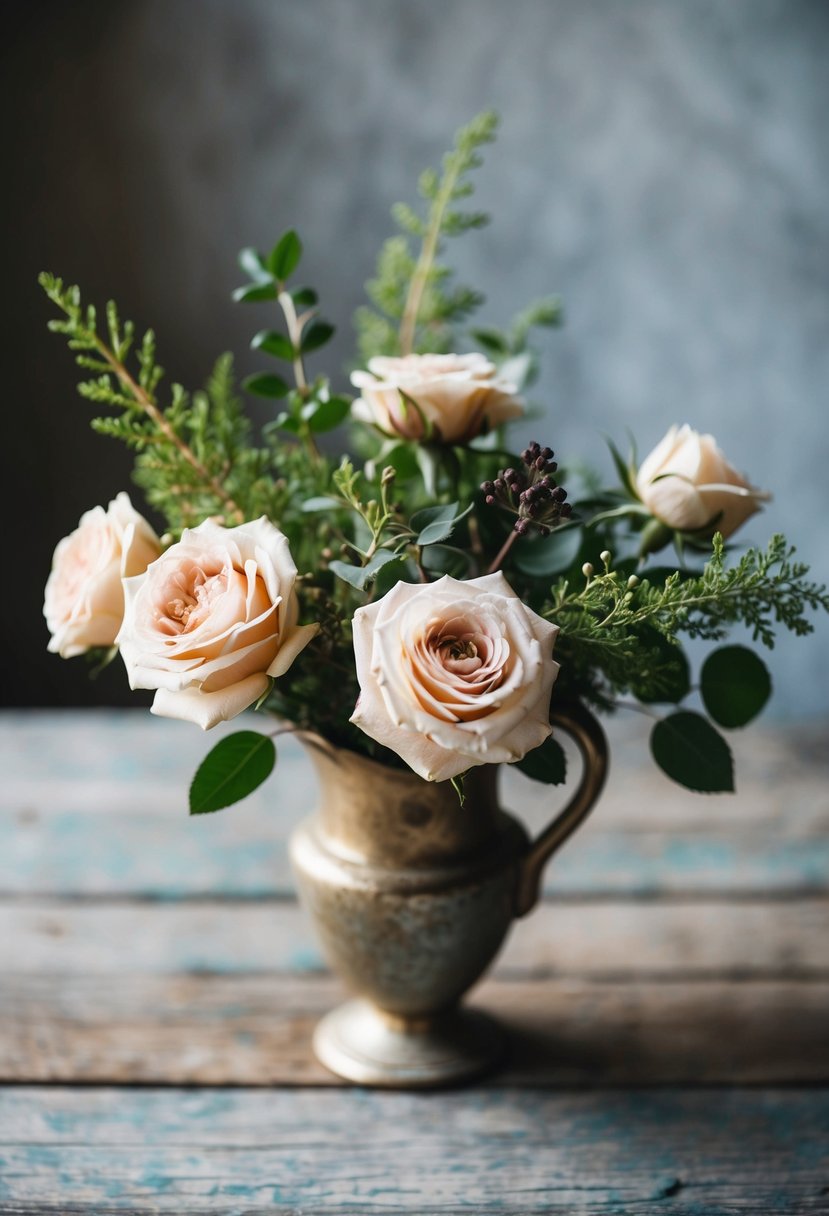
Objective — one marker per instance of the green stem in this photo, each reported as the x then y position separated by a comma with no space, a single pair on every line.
408,325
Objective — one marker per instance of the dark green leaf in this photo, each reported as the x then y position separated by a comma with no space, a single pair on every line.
315,335
688,748
401,570
491,340
304,297
231,771
627,475
546,763
253,292
329,414
283,259
287,422
273,343
445,559
265,384
253,264
735,685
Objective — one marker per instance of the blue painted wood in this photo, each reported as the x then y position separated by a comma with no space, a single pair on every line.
242,853
353,1151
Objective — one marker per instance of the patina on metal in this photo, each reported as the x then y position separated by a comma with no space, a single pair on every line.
412,895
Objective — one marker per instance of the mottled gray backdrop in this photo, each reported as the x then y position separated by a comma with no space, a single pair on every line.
663,165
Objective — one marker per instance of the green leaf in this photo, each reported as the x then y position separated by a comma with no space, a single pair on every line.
328,414
735,685
427,462
433,524
548,555
255,291
304,297
231,770
283,259
265,384
253,264
546,763
446,559
626,473
273,343
688,748
315,335
401,570
491,340
360,576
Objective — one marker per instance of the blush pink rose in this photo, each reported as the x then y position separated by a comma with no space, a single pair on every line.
687,483
454,674
84,598
455,396
213,620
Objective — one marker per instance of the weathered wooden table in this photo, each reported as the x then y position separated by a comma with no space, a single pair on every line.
668,1003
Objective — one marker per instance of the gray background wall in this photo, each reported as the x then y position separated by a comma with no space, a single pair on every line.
662,165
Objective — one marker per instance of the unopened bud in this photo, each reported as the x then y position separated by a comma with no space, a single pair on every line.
633,581
587,570
606,557
389,474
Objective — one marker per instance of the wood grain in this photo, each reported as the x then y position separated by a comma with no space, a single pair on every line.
615,938
344,1152
256,1030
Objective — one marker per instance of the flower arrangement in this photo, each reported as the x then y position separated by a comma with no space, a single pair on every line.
407,602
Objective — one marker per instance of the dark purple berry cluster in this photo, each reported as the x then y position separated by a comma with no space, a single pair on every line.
531,492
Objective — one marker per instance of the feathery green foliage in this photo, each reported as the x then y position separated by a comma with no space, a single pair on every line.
415,306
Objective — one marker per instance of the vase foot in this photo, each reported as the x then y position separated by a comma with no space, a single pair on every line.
360,1044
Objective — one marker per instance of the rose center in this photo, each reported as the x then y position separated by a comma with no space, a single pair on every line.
458,648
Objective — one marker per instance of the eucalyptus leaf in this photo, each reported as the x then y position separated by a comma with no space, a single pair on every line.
361,576
273,343
266,384
735,685
548,555
546,763
231,770
692,752
283,259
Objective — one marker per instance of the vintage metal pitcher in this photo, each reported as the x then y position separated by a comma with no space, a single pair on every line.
412,895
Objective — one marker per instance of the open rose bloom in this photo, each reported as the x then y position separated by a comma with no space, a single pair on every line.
213,620
84,598
454,674
453,397
688,484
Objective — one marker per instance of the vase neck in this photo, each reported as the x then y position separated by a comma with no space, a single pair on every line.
392,817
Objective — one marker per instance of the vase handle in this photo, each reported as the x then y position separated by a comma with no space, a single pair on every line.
587,734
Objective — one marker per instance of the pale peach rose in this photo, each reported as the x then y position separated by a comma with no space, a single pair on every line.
84,598
688,484
456,396
212,620
454,674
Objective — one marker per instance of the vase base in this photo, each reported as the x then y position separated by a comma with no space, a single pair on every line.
360,1044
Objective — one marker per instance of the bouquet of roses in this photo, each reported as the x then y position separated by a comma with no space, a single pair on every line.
406,602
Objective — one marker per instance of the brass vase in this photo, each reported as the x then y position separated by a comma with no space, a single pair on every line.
412,896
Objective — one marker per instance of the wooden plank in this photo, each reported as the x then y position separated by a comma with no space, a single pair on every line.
618,939
256,1030
236,855
354,1151
103,761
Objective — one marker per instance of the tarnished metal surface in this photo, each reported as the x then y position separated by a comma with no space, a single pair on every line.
412,895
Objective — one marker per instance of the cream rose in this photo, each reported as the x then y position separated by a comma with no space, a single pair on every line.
212,620
457,396
454,674
688,484
84,598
